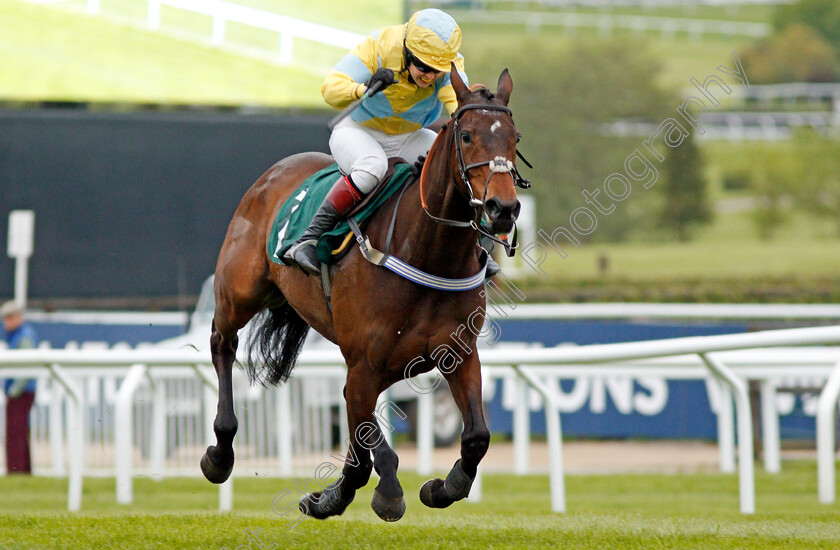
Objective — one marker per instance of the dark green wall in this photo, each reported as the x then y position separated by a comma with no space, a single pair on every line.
133,204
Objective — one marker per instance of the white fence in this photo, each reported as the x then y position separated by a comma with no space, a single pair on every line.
739,126
119,417
642,310
288,28
540,368
686,4
605,23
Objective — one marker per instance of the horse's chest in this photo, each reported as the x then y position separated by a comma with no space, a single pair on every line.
421,330
397,324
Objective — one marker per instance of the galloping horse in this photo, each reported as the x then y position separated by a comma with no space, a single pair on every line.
380,320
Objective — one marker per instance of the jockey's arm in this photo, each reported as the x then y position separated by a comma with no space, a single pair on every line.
340,90
345,83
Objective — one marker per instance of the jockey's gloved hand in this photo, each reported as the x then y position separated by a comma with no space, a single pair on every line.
417,168
385,77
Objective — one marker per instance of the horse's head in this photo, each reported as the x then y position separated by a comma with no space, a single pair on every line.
485,146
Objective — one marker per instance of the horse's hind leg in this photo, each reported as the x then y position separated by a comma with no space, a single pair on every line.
465,383
217,461
240,294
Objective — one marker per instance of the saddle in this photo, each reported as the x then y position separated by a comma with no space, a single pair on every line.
344,247
295,214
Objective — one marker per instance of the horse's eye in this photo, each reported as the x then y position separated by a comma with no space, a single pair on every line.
466,137
518,137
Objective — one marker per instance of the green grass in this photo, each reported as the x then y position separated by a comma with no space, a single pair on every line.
360,16
726,249
112,58
725,262
88,59
604,511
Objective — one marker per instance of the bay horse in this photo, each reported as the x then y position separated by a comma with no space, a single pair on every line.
380,320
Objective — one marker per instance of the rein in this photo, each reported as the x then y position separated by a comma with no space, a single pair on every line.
498,164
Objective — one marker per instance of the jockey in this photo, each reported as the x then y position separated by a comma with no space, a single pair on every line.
411,64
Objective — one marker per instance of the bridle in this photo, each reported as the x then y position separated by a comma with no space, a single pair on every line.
498,164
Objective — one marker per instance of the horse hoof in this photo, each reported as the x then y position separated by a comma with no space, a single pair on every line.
309,508
321,506
388,509
429,489
212,473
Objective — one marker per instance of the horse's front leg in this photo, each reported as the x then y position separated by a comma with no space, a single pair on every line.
388,501
217,462
465,383
365,436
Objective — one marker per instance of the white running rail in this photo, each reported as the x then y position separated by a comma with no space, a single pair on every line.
606,22
606,4
642,310
222,12
288,28
534,365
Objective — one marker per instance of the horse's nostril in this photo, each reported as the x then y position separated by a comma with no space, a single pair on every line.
497,208
493,208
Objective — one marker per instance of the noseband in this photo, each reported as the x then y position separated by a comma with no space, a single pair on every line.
498,164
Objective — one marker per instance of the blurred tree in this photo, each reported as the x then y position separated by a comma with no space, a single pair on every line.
762,176
775,169
817,183
686,201
821,15
561,102
769,214
796,54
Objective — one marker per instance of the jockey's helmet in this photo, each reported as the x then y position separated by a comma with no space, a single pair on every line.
434,38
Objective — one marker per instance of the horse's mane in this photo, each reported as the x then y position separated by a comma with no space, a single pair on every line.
483,92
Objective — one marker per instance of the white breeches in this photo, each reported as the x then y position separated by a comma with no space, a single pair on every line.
363,153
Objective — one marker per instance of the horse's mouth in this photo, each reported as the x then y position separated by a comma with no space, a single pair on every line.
501,226
501,214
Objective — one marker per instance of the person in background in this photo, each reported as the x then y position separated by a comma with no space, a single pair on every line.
20,392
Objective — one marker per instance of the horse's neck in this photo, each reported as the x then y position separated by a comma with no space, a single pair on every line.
432,246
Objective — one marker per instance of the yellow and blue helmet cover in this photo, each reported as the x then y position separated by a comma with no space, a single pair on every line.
434,38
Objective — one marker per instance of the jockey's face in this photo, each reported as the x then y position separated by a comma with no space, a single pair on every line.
423,79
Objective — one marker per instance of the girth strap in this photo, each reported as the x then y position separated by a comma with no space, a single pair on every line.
411,273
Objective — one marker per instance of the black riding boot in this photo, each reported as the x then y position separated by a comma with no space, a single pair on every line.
337,204
303,251
492,267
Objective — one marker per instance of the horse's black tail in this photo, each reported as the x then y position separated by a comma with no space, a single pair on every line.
274,345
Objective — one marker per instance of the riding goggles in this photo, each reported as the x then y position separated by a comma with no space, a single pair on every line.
411,59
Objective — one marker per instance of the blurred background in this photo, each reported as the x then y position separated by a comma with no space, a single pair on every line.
132,128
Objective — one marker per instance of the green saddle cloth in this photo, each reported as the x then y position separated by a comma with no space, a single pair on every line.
299,209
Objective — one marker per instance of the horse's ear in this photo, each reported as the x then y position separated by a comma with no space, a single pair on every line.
505,86
461,89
